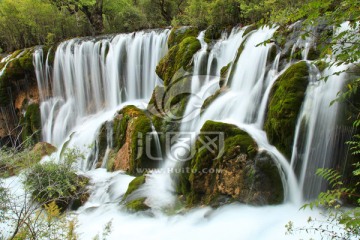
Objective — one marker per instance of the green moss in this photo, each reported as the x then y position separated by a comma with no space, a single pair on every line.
224,73
241,173
285,101
137,205
26,60
31,124
177,35
270,175
138,123
121,123
179,56
110,165
135,184
236,141
15,53
139,158
211,99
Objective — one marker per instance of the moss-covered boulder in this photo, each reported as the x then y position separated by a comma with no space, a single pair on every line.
236,171
179,57
284,105
130,129
133,203
31,124
178,34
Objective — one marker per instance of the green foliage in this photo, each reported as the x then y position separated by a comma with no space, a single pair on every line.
25,23
50,181
13,161
339,223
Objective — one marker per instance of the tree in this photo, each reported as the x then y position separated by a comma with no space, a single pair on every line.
92,9
35,208
25,23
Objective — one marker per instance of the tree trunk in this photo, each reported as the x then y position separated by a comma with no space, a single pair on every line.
94,15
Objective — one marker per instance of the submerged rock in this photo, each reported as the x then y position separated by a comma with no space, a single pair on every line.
284,105
237,171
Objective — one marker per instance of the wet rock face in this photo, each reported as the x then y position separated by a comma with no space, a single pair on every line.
18,90
130,129
236,172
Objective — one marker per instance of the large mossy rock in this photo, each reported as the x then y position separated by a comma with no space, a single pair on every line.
284,105
133,203
236,172
130,127
178,34
179,57
167,104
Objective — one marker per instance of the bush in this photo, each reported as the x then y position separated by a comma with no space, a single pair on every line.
56,182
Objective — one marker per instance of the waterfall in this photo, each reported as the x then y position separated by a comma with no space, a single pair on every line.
93,78
204,83
314,144
93,75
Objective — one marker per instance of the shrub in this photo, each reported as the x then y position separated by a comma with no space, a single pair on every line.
56,182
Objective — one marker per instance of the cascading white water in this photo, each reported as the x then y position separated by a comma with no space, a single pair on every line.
91,76
204,83
314,144
249,90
